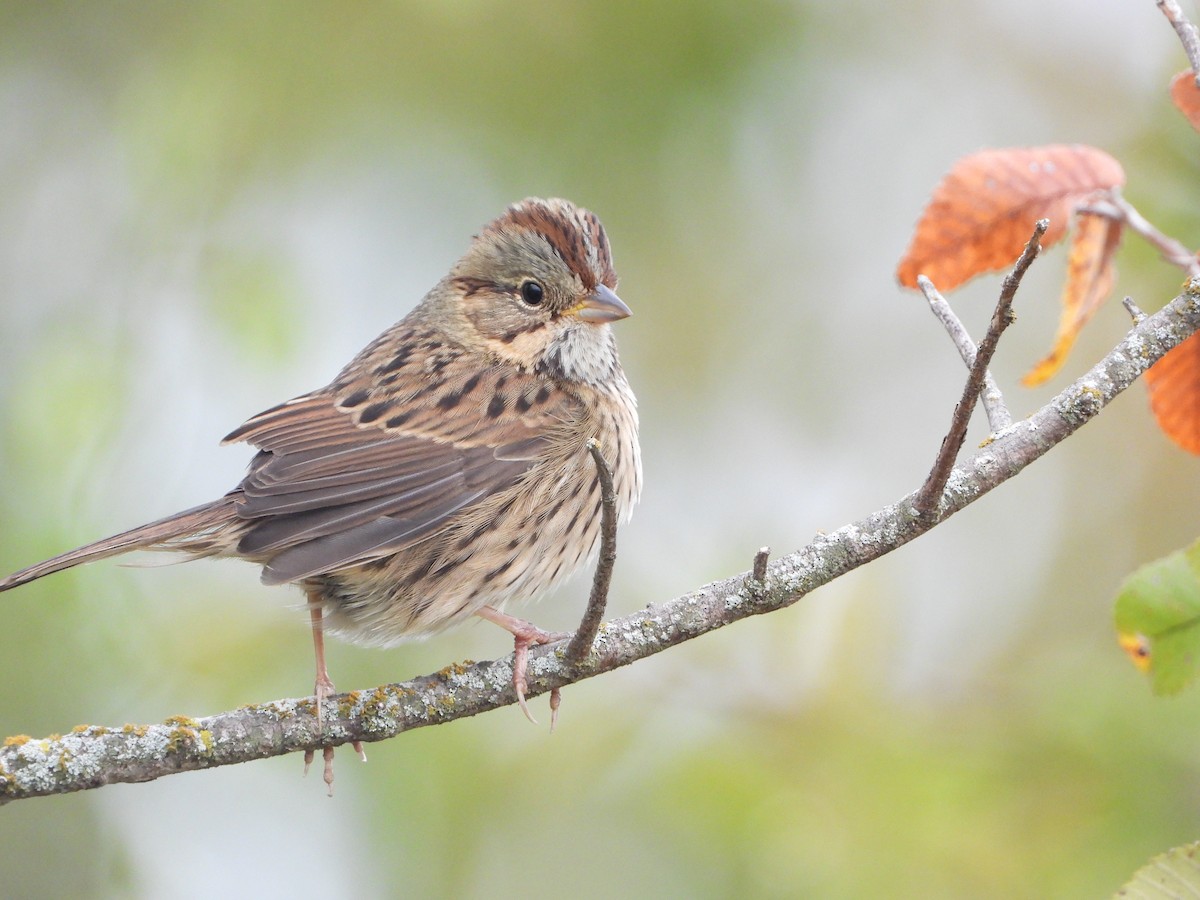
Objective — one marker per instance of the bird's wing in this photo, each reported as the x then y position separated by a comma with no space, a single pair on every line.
349,475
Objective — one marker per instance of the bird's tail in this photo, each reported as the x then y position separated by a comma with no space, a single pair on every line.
197,531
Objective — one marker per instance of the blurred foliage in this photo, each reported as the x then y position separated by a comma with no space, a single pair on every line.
252,300
207,207
1175,873
208,93
1158,619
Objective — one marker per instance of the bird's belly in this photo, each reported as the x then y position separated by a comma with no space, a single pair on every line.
508,549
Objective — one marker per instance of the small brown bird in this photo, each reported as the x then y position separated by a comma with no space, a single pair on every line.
443,472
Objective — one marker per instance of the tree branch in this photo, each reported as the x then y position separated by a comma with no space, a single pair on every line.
91,756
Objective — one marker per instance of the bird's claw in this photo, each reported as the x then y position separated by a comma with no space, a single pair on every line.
525,635
323,689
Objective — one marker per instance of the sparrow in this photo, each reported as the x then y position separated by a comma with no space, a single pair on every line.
444,472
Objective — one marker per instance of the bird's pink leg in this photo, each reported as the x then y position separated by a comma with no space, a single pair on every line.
323,688
525,635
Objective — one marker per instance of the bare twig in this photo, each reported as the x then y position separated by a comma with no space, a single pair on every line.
1188,35
581,643
1116,207
91,756
1135,311
759,571
926,502
756,584
997,412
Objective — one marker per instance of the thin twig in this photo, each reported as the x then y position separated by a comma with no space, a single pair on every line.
1116,207
581,643
759,571
930,494
998,415
756,584
1188,35
1135,311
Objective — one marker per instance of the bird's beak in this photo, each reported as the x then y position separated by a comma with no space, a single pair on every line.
602,305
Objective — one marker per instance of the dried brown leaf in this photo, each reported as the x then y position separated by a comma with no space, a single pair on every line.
982,213
1090,276
1186,96
1174,386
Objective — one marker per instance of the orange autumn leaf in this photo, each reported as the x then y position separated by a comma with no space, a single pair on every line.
1186,96
982,213
1174,386
1089,280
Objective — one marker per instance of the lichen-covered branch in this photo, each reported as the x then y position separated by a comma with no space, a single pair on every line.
91,756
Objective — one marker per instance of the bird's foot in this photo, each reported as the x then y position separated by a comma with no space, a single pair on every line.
525,635
323,689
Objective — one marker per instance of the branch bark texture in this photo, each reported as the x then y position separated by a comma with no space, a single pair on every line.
91,756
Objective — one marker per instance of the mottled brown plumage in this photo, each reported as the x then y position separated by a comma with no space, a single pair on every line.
444,470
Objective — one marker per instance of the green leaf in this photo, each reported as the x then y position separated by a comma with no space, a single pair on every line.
1174,874
1158,619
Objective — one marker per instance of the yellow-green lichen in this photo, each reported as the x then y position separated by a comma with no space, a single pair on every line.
185,721
375,704
95,730
180,737
17,740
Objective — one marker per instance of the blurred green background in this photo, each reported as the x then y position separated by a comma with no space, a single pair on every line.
207,208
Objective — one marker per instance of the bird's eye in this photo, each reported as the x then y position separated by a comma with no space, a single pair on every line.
532,293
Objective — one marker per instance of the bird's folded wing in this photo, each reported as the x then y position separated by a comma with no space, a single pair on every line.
346,477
